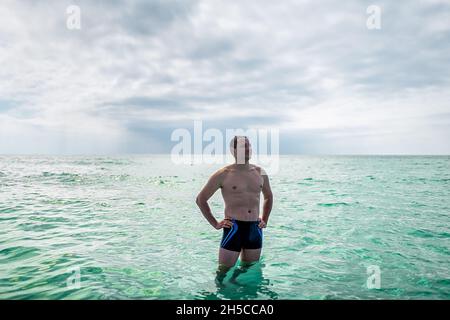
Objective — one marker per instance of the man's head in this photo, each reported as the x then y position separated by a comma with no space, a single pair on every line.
241,149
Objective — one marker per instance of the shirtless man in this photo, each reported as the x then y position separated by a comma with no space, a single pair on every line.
241,184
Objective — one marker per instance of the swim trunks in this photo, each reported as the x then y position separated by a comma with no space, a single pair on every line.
242,235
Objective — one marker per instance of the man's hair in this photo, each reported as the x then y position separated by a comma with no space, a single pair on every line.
234,141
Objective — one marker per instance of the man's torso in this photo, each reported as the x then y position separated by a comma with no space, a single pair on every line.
241,189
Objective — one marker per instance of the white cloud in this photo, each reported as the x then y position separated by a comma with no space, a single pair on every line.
311,68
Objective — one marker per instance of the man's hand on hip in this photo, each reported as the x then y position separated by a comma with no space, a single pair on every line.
226,223
262,223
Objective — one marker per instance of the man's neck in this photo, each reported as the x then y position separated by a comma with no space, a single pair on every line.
245,165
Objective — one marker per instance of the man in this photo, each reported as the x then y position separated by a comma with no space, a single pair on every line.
241,185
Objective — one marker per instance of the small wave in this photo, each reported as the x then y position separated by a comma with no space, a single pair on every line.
429,234
18,253
439,249
83,163
50,219
333,204
120,177
441,180
64,177
33,227
65,202
113,161
9,210
424,180
418,204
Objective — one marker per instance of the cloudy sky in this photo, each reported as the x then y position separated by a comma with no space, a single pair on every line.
137,70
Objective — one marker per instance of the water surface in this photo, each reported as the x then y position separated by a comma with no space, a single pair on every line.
130,225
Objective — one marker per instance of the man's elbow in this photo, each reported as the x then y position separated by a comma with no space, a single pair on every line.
199,200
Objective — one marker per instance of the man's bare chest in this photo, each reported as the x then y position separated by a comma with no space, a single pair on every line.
237,182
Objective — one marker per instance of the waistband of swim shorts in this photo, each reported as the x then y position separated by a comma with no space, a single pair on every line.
242,221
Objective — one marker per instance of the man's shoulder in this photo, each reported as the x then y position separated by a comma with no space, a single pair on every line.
260,170
222,171
255,167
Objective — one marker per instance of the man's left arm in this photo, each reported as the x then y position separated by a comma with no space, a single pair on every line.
268,200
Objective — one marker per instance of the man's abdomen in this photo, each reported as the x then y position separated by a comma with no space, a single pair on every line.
243,207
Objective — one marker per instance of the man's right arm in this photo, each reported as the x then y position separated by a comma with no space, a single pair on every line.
213,184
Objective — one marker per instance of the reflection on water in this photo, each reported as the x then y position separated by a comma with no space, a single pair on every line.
242,282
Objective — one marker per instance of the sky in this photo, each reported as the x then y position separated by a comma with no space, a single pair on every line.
138,70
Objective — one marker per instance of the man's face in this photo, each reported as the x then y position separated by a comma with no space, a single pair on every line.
243,150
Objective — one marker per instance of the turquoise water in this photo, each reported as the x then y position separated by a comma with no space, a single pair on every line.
130,226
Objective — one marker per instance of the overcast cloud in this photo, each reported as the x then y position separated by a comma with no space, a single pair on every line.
139,69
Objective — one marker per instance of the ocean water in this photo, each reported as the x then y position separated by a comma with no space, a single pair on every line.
127,227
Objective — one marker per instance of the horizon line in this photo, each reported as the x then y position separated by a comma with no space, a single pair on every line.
220,154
